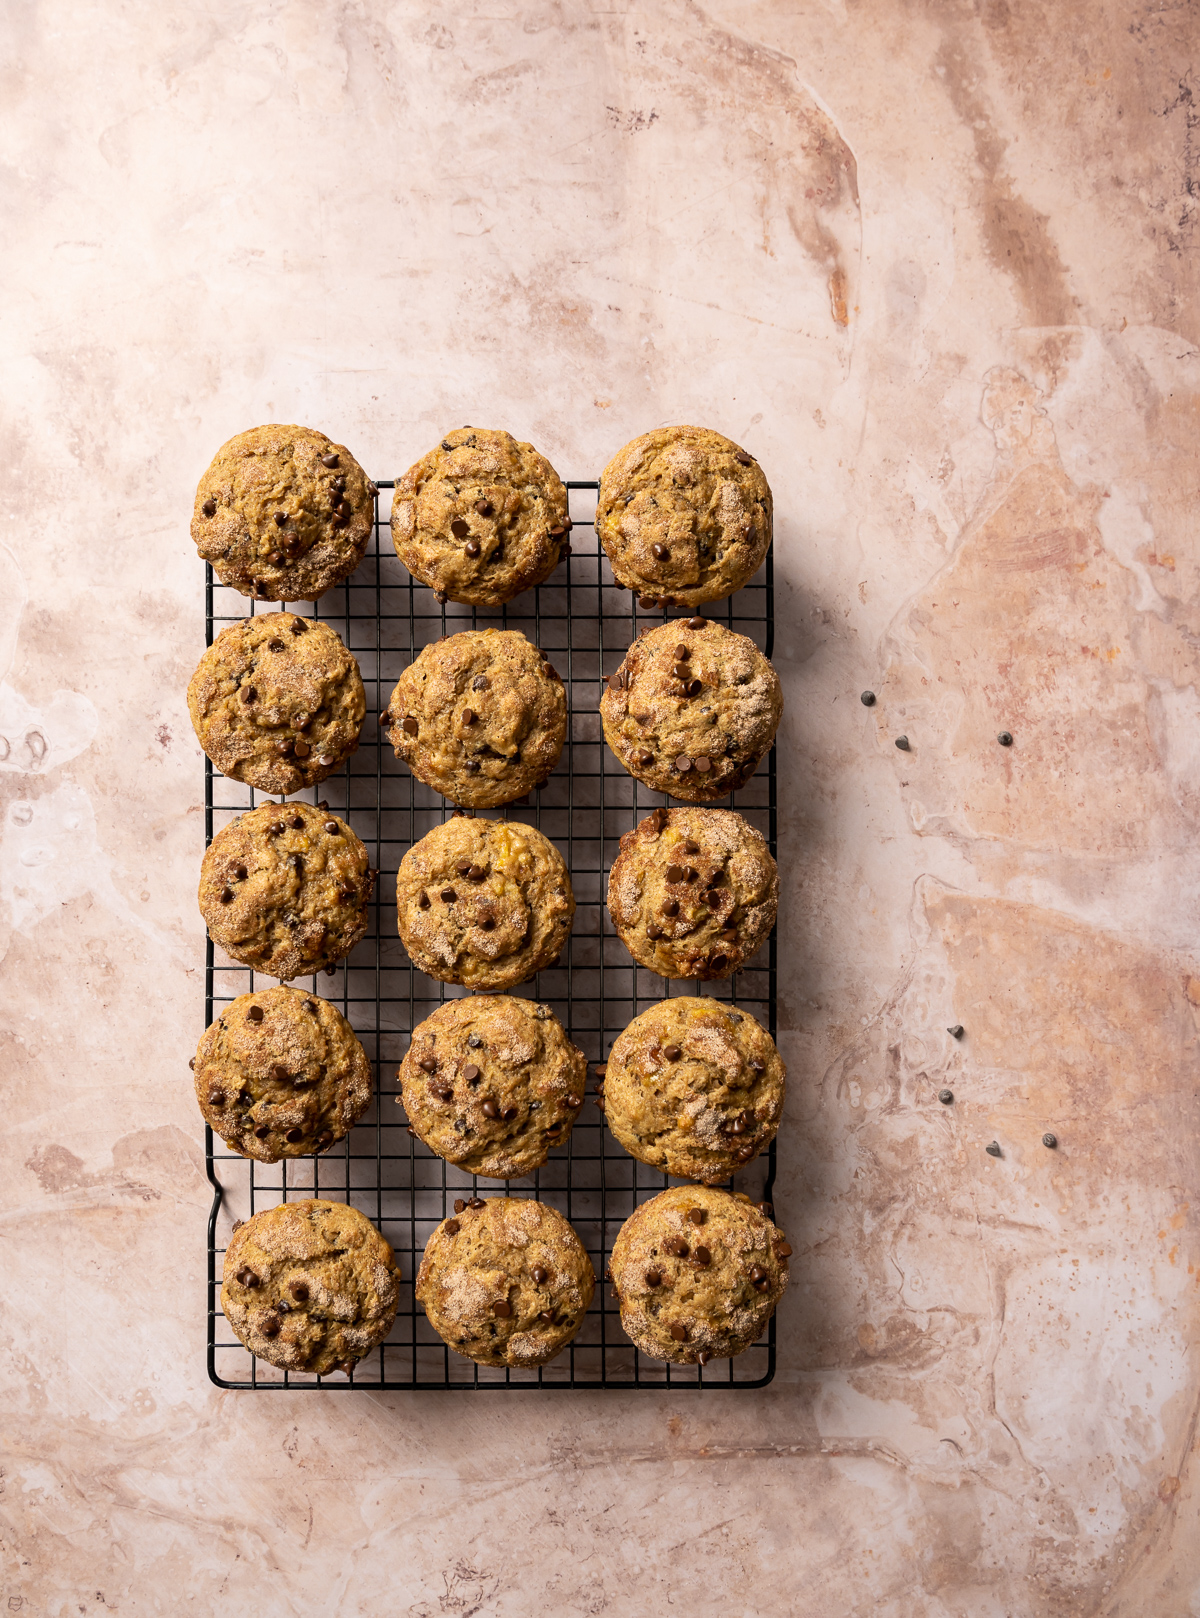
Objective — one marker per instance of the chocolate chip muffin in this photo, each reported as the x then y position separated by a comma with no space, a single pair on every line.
693,892
684,514
481,717
695,1088
506,1281
283,513
692,710
483,902
284,889
698,1273
277,702
281,1074
492,1083
480,518
310,1286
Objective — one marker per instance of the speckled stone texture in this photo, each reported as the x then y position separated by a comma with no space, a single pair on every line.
934,265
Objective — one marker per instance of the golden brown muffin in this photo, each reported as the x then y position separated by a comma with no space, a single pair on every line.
285,888
694,1087
480,518
283,513
698,1273
281,1074
310,1286
277,702
692,710
684,514
506,1281
491,1083
481,717
693,892
483,902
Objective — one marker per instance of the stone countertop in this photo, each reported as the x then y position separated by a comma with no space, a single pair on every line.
935,265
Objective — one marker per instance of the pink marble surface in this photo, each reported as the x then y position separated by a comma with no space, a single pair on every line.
934,263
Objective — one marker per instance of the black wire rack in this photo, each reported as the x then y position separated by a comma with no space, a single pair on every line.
584,624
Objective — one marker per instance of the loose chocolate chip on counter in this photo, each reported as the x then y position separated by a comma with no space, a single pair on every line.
702,1256
957,1031
540,1274
1050,1140
672,1053
226,896
600,1069
1005,738
329,460
209,508
683,763
994,1149
294,1135
696,1216
697,623
459,1204
247,1277
902,744
867,699
945,1097
679,1333
255,1014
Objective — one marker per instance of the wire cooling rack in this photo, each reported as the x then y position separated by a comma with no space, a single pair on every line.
584,624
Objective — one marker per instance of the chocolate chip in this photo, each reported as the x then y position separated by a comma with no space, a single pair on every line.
452,1226
490,1109
653,930
994,1149
681,672
248,1278
480,683
672,1053
299,1291
209,508
696,1216
718,962
255,1013
702,1256
298,823
502,1308
462,867
476,873
474,1041
674,873
697,623
757,1063
644,760
325,1138
276,828
670,907
683,763
329,460
548,1316
443,1092
902,744
294,1135
275,646
299,627
448,896
661,552
679,1333
245,1098
759,1277
248,694
472,547
487,924
946,1097
226,896
654,1278
470,1072
239,872
690,846
782,1249
694,688
483,507
540,1275
468,717
409,725
427,1063
574,1100
956,1032
744,459
284,748
302,749
676,1246
216,1098
647,603
262,1131
703,764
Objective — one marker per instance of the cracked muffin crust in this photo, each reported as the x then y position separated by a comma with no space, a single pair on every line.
699,1273
506,1281
283,513
285,888
481,717
684,514
483,902
480,518
693,892
310,1286
692,710
281,1074
492,1083
277,702
694,1087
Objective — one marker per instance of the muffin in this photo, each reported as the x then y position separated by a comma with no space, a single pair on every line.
283,513
281,1074
684,515
480,717
480,518
693,892
310,1286
694,1087
492,1083
277,702
483,902
698,1273
692,710
506,1281
285,889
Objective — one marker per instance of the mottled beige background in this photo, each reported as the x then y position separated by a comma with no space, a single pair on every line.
933,261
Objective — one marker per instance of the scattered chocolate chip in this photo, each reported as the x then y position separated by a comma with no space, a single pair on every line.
548,1316
718,962
299,627
674,873
487,924
474,1202
759,1277
463,867
683,763
742,458
468,717
697,623
226,896
262,1131
443,1092
325,1138
574,1100
1050,1140
696,1216
239,872
216,1098
440,597
957,1031
209,508
945,1097
647,603
994,1149
483,507
459,1204
298,823
409,725
480,683
679,1333
1005,738
643,760
247,1277
301,749
476,873
452,1226
703,764
867,699
902,744
329,460
783,1249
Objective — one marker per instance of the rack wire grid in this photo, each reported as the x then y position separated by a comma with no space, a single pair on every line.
584,623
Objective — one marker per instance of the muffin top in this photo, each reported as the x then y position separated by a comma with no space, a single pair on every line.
692,709
483,902
505,1281
277,702
481,717
684,514
281,1074
283,513
491,1083
699,1273
310,1286
693,892
694,1087
284,889
480,518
